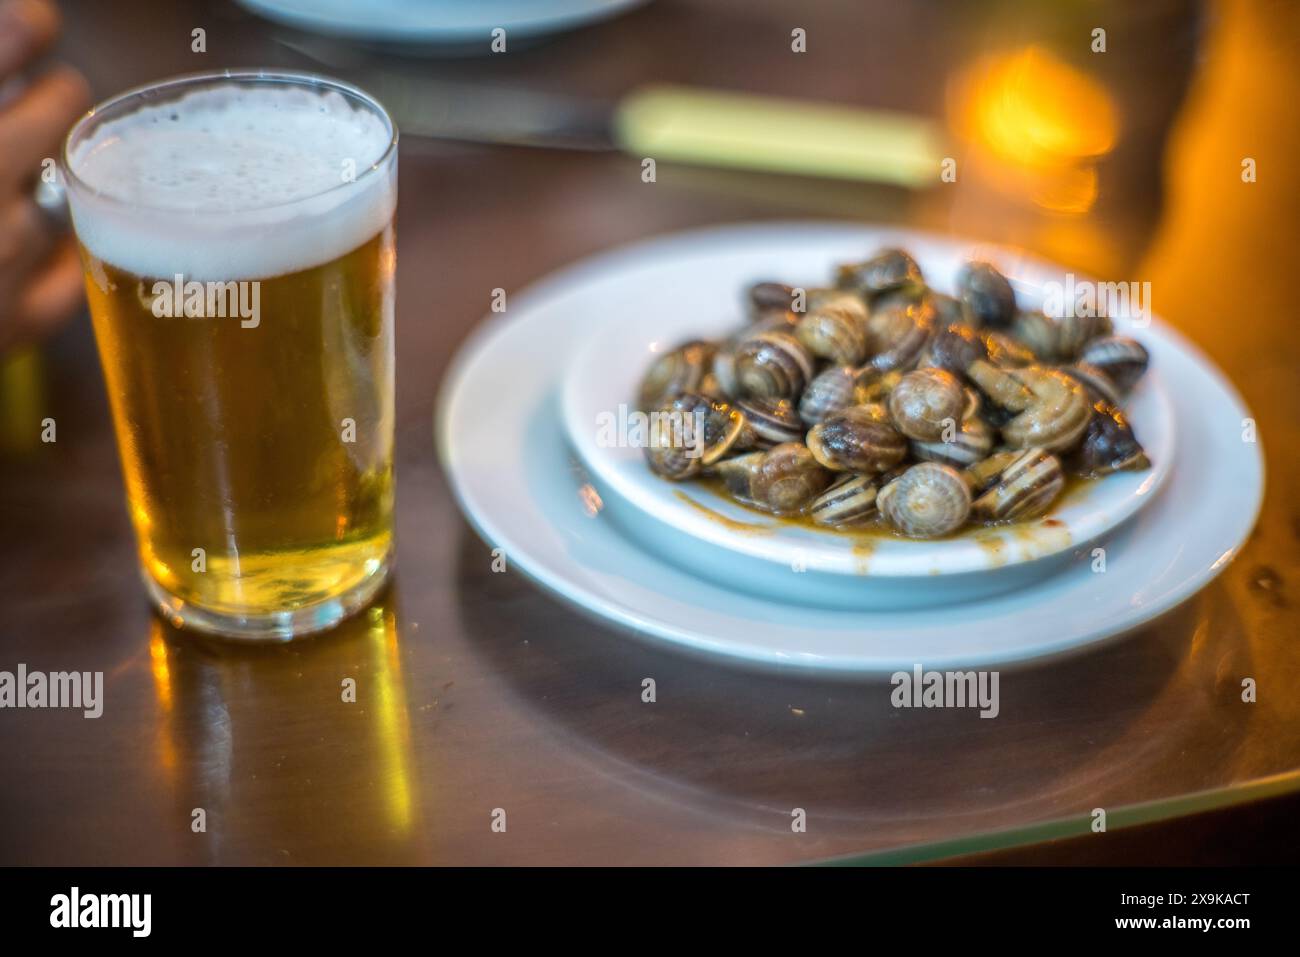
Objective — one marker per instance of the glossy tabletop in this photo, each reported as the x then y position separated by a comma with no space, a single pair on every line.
478,694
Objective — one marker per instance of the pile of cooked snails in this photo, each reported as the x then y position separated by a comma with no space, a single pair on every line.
879,399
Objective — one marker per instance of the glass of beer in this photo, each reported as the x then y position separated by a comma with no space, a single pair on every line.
237,235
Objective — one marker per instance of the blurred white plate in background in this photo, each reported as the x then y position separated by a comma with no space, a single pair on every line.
437,21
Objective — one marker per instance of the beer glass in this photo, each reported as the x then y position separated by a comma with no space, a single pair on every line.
237,235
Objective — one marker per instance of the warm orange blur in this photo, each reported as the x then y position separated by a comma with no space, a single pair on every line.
1034,126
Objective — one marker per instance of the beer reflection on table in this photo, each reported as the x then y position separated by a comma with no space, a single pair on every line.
241,797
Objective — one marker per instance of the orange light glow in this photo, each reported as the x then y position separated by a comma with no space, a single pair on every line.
1035,126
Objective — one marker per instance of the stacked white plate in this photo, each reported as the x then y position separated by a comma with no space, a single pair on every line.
523,436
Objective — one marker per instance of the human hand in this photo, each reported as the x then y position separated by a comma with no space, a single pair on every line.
40,271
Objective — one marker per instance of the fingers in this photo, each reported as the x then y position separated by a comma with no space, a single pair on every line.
53,295
27,28
33,125
26,237
40,276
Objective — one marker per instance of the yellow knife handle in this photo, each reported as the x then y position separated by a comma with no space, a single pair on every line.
740,130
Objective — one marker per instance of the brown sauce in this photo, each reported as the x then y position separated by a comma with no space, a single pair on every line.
993,537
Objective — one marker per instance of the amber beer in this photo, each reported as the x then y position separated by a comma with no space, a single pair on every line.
237,237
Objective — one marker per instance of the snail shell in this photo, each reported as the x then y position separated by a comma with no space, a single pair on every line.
925,402
1097,383
828,393
947,309
887,269
767,297
954,347
984,473
737,472
926,501
856,440
898,335
836,331
680,370
787,478
1123,359
1025,488
770,422
1074,333
772,365
850,501
689,433
874,386
1057,338
1037,332
1007,353
1109,444
986,296
723,372
971,444
1052,409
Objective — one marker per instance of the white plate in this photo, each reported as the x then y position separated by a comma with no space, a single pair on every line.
437,21
690,525
501,445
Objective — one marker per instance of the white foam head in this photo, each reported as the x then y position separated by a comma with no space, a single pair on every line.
232,181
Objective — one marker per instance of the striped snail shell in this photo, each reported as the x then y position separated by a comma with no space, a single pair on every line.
836,331
787,478
982,474
1057,338
772,365
887,269
925,402
1052,409
1036,332
677,371
828,393
850,501
689,433
724,361
972,443
856,440
1125,360
1074,332
1006,352
723,371
898,335
986,296
769,422
1098,384
737,472
1109,444
926,501
1025,488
